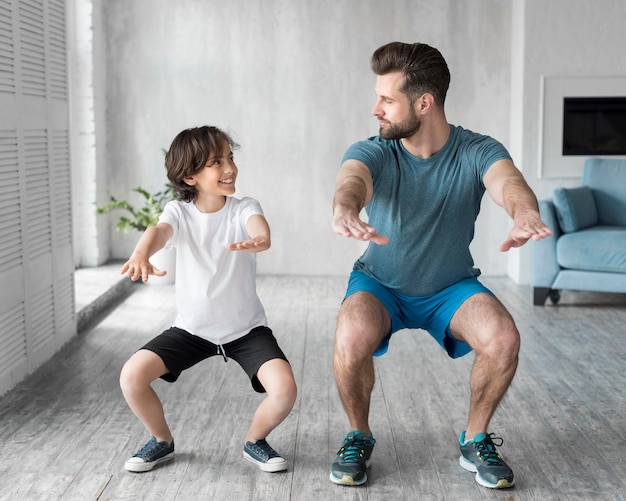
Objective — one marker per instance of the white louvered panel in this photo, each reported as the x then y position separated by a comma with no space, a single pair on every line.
37,194
41,326
32,47
12,338
64,299
36,267
11,242
57,50
61,182
7,50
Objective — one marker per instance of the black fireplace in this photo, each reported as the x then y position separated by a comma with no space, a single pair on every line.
594,126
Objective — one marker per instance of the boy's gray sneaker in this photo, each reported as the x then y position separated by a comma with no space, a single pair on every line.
150,455
352,460
266,458
480,456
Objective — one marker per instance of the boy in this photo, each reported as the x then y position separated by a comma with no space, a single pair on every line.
218,310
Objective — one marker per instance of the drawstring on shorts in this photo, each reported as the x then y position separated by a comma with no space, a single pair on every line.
222,351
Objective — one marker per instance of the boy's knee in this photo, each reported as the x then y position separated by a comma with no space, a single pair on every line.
277,378
288,393
136,372
128,375
287,390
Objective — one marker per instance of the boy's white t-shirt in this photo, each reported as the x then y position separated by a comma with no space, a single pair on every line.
216,296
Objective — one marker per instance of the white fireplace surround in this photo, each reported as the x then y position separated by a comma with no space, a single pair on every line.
552,163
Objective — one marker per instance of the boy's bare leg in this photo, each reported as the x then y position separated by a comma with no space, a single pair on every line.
277,378
137,374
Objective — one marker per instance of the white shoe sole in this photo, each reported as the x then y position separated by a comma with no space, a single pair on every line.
268,467
141,466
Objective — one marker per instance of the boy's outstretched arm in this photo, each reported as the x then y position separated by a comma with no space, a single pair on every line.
259,231
152,240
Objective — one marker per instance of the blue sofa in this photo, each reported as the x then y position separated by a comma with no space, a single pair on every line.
587,251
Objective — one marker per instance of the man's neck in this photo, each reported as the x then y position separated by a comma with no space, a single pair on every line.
429,139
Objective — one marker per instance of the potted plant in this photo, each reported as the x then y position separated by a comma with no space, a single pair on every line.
140,218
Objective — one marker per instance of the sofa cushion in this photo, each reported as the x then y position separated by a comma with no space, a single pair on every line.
575,208
607,178
601,248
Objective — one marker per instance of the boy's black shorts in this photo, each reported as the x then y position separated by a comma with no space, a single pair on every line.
181,350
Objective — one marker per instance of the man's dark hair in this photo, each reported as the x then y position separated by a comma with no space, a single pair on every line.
424,68
189,154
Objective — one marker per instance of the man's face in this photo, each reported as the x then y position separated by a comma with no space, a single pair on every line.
396,116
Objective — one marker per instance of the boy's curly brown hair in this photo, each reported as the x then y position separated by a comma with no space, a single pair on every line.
189,153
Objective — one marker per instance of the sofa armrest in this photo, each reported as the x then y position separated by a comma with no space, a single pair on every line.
544,266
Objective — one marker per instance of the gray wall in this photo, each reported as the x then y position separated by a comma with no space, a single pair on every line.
291,80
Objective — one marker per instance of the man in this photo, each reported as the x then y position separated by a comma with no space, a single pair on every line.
421,181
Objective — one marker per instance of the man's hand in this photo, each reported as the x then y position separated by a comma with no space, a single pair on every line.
525,227
349,225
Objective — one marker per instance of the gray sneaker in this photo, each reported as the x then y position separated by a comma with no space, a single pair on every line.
480,456
266,458
150,455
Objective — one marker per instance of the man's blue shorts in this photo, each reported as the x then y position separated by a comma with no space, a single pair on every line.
431,313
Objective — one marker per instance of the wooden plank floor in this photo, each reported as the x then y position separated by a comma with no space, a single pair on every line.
66,431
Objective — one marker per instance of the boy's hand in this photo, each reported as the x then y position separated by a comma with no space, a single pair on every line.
256,244
139,266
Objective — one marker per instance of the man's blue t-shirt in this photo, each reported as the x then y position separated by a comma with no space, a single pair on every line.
427,208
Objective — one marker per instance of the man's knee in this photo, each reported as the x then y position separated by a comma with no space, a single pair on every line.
485,324
362,323
500,340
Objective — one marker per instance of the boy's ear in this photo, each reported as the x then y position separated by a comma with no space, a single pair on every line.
190,180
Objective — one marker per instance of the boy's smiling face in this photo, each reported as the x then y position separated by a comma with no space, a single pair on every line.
218,176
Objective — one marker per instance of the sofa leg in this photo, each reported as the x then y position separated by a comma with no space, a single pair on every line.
540,294
554,295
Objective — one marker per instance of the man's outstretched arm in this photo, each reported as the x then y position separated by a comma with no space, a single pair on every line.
508,188
353,191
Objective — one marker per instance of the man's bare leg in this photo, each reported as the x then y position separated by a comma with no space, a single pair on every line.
483,322
362,324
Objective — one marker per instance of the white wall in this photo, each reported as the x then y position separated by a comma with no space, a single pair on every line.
291,80
557,38
87,76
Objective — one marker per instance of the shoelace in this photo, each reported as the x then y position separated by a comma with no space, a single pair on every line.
150,448
487,450
262,448
352,450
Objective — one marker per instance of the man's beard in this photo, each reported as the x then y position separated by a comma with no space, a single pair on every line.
403,129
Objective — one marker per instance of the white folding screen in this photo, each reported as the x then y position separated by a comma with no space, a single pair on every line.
36,268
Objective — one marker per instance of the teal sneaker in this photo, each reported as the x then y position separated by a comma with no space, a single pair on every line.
352,460
480,456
